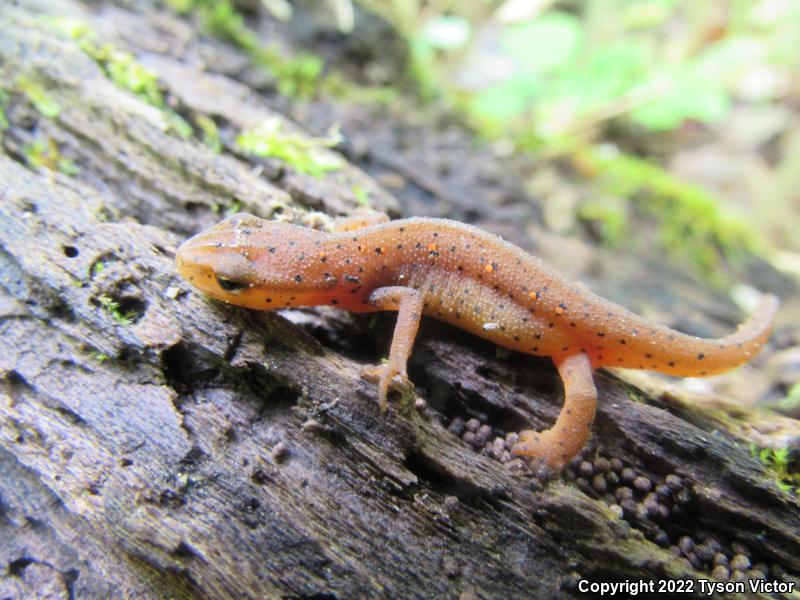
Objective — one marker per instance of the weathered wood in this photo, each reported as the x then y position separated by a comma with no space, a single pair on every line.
206,451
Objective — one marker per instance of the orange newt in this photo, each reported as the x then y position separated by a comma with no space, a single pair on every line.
467,277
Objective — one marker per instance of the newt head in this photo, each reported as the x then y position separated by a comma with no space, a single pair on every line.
252,262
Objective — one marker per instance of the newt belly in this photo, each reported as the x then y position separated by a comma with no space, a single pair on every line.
467,277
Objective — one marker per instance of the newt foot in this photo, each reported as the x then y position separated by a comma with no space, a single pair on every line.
542,448
387,376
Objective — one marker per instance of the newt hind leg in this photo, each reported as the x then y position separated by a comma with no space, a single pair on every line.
408,304
555,447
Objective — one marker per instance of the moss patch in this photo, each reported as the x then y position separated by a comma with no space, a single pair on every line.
304,154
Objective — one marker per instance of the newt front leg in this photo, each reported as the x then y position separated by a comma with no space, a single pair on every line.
554,447
408,304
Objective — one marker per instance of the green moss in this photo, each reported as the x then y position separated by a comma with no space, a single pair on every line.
234,208
792,400
335,85
98,356
303,153
123,69
112,307
44,153
210,133
611,217
361,195
97,268
776,460
692,222
3,119
296,77
38,96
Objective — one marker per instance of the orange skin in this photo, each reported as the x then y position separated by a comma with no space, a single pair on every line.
467,277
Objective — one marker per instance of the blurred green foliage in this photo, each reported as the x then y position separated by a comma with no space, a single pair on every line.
551,77
296,77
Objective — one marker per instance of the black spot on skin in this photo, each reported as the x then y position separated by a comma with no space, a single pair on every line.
399,246
402,229
271,249
671,363
551,325
537,336
334,301
701,356
648,355
623,342
418,245
378,250
269,300
460,267
323,259
601,334
298,278
338,246
516,338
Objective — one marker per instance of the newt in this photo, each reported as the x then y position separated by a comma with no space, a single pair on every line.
466,277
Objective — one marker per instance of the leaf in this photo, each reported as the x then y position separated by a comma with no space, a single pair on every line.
446,32
544,45
683,95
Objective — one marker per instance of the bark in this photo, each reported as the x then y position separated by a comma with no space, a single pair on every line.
156,444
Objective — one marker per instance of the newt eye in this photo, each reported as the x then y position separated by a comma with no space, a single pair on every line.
230,285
